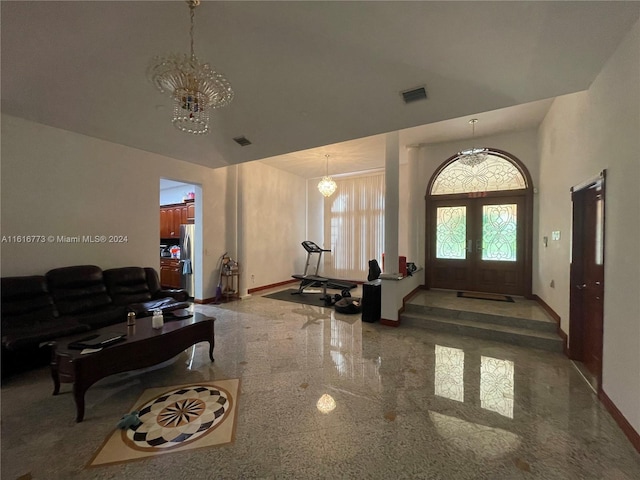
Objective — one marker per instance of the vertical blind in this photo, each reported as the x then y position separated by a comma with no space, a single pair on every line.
354,226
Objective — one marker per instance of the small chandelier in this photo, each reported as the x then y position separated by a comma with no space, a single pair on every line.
473,156
195,87
327,186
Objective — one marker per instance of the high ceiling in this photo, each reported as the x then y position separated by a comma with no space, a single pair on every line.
305,74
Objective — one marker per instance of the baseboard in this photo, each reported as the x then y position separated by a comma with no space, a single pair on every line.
561,333
390,323
407,297
273,285
623,423
204,301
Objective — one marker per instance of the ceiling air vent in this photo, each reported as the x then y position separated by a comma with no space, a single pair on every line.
414,95
242,141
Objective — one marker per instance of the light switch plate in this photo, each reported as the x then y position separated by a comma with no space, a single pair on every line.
555,235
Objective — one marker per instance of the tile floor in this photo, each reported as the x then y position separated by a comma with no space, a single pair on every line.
405,403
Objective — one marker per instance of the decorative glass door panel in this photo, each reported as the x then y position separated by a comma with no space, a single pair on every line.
499,232
451,232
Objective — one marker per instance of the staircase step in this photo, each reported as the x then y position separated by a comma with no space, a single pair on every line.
515,335
542,325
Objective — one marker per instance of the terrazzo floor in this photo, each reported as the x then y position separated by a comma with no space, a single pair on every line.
323,395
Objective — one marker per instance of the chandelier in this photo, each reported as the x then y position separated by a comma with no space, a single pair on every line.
195,87
473,156
327,186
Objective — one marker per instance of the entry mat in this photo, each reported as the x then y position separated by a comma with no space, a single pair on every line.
486,296
175,419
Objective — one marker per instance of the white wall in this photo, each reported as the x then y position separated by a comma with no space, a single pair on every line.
175,194
582,135
564,163
315,215
56,182
272,224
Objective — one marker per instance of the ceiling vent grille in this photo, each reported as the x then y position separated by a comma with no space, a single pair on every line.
242,141
413,95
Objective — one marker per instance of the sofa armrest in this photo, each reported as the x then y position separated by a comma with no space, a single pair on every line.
146,309
177,294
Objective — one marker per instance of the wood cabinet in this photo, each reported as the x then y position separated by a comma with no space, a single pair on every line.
172,216
191,212
170,275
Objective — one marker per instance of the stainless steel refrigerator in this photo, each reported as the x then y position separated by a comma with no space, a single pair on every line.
187,260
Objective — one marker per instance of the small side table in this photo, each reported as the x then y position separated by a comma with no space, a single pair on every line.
230,281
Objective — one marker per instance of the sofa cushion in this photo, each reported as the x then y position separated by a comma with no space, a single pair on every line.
127,285
26,301
78,289
105,316
18,337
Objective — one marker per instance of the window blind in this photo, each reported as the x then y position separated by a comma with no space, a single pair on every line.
354,226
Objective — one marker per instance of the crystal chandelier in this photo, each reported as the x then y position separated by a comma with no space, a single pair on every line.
327,186
473,156
195,87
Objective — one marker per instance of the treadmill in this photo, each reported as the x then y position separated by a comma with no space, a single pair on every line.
310,280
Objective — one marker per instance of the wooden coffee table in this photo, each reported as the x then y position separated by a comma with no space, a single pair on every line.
142,347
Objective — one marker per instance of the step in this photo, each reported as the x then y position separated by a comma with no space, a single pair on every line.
513,335
546,325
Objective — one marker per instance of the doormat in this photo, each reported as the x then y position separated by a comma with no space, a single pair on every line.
486,296
303,298
174,419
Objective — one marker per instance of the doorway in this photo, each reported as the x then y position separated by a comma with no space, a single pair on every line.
587,276
478,245
479,224
178,235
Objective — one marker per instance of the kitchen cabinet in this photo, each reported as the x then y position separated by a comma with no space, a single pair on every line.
171,217
170,274
191,212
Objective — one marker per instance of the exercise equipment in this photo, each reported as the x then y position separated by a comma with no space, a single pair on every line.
314,280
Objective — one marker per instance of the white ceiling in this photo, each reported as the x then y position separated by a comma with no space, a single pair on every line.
305,74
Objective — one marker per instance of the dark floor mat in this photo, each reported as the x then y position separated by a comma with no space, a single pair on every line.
486,296
303,298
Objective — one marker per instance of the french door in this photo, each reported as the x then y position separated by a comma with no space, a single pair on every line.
478,244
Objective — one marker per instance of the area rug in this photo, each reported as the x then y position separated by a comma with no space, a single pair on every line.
486,296
303,298
175,419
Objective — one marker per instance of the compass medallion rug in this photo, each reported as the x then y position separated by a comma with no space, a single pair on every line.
175,419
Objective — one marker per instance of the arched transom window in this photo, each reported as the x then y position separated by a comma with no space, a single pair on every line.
493,174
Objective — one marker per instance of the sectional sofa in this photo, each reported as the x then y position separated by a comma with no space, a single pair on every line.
38,308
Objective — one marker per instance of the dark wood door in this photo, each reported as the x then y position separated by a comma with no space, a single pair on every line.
587,278
477,244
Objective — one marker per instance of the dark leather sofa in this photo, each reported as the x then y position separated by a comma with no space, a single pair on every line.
69,300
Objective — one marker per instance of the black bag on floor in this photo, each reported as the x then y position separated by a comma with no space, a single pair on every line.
348,305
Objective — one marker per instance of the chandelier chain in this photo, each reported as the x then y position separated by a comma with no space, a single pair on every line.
192,9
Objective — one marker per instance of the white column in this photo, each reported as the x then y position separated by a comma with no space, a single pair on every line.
414,199
391,201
